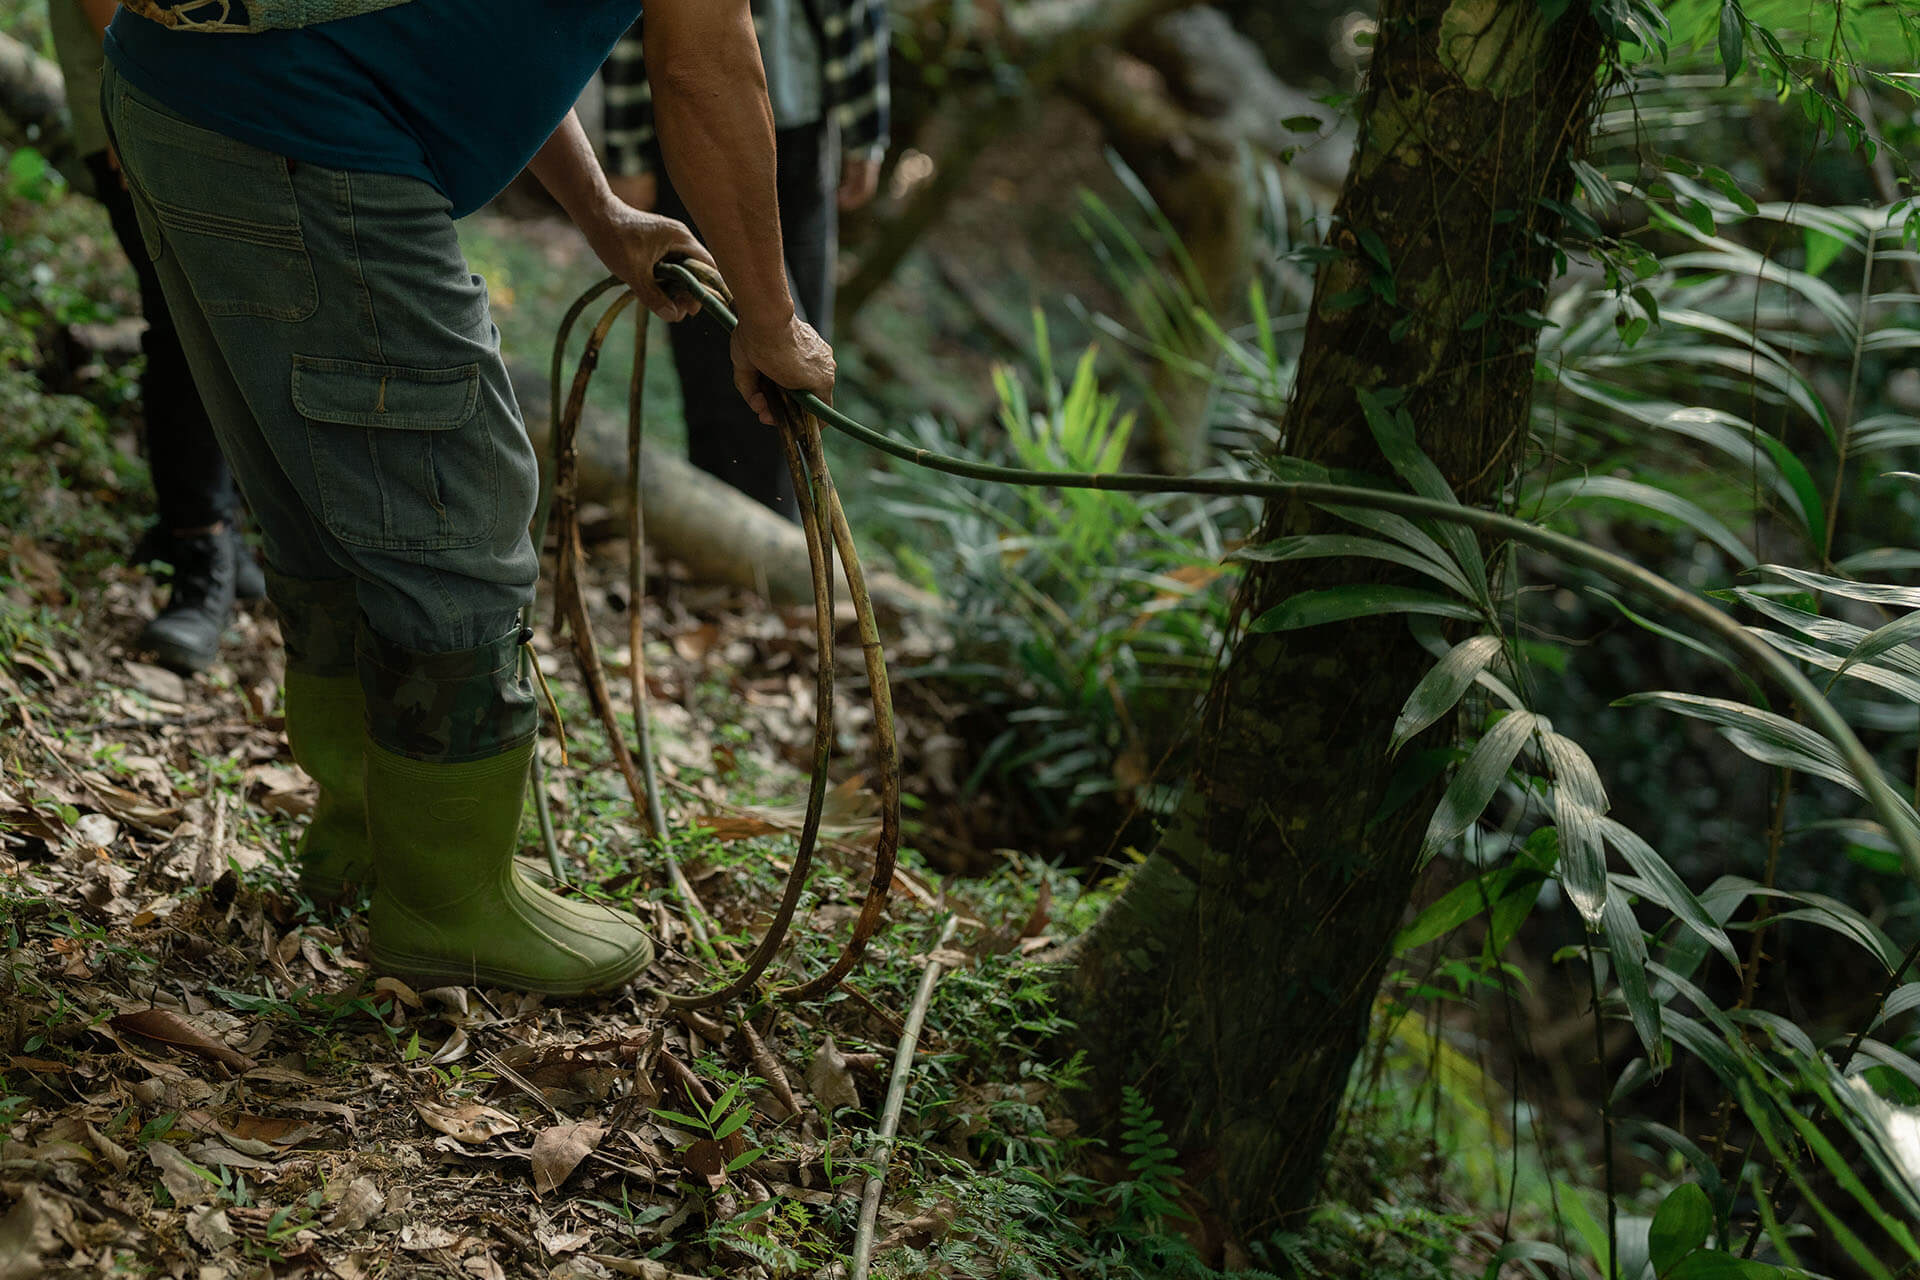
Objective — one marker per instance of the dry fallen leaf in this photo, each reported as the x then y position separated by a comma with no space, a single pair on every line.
557,1150
131,807
31,1228
468,1122
707,1161
360,1205
559,1242
645,1268
211,1230
417,1237
274,1131
483,1266
185,1183
849,812
398,990
157,682
181,1032
830,1079
96,829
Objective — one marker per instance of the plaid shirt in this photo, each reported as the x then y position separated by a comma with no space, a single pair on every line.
853,38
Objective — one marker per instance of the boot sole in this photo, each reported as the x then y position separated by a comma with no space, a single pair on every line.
436,970
175,658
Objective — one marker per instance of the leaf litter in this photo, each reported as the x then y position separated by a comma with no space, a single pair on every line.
199,1076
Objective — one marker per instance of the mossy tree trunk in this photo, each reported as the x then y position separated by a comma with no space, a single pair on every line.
1233,980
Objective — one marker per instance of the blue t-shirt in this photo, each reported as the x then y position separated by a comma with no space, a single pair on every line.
459,93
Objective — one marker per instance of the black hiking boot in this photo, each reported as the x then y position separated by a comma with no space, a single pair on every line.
185,637
248,583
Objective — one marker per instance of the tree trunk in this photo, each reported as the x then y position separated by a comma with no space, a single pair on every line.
1233,980
1045,40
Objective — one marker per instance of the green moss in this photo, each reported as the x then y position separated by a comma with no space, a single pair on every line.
1396,132
1492,45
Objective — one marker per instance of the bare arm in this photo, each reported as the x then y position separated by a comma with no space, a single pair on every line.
631,243
99,14
716,136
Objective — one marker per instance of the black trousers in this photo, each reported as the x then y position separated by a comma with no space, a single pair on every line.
191,483
724,439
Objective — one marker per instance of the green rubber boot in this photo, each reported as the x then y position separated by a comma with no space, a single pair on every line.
450,906
327,729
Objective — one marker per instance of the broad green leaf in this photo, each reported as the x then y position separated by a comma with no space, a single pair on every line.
1824,584
1527,1251
1901,631
1320,546
1902,686
1627,947
1733,43
1573,1205
1820,755
1579,804
1693,1036
1783,1031
1828,913
1828,631
1888,1056
1711,1264
744,1159
1585,490
1454,908
1472,788
1680,1225
1340,604
1822,250
1903,999
1441,688
1573,770
1393,430
1400,529
1666,889
680,1118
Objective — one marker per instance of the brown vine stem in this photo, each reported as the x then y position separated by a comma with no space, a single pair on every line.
570,602
886,748
697,914
820,560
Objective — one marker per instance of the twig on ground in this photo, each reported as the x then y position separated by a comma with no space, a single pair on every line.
896,1096
769,1067
521,1083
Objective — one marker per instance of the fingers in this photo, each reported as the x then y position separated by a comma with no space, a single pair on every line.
655,299
746,380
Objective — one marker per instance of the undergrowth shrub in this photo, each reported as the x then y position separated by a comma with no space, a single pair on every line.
1085,622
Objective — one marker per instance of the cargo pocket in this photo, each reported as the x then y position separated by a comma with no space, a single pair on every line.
402,461
226,209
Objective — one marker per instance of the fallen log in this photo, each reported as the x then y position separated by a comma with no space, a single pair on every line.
33,102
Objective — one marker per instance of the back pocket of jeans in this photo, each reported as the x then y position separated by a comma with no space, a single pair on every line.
401,459
227,211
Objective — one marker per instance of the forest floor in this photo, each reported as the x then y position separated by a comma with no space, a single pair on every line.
200,1077
203,1073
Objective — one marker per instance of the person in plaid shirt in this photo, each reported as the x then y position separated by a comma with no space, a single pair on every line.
826,65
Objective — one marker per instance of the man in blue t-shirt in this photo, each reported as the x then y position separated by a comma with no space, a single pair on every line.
296,189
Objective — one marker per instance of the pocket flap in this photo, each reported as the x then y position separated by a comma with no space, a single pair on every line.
354,394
